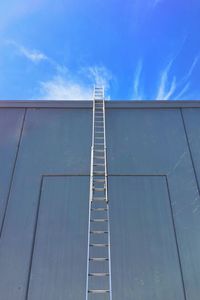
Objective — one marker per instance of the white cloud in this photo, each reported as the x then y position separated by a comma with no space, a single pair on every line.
183,91
79,86
70,86
33,55
195,62
164,91
60,88
172,88
137,81
98,75
169,87
36,56
65,84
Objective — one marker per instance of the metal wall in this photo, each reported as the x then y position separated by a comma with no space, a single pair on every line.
154,178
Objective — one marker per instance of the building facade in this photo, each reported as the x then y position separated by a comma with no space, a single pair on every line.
153,161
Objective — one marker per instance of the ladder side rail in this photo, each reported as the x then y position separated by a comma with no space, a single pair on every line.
90,199
106,190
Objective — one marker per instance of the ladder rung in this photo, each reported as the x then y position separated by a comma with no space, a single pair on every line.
99,189
99,220
99,259
98,165
99,199
99,209
98,291
98,232
99,245
98,150
99,157
99,179
100,173
98,274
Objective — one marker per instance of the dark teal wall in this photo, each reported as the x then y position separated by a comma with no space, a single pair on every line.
154,179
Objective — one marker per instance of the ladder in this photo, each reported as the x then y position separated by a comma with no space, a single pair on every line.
98,282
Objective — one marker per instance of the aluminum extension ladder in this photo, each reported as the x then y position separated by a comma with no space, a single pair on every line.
98,282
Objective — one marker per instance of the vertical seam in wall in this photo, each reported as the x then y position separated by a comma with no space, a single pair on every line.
190,151
13,172
34,238
176,239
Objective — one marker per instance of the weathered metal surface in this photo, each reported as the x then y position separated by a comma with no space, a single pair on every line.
53,142
57,269
153,142
154,176
145,257
191,121
11,122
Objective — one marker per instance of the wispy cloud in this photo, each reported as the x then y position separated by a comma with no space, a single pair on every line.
31,54
166,88
169,85
195,62
75,85
182,92
36,56
99,75
172,88
137,95
60,88
66,84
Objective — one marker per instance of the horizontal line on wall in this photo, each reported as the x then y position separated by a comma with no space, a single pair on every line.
109,104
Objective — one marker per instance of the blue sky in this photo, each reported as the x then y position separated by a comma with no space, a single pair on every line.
139,49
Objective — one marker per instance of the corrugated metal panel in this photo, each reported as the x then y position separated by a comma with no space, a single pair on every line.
58,266
156,206
145,257
153,142
53,142
191,119
11,122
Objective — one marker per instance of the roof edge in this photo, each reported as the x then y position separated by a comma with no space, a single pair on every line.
109,104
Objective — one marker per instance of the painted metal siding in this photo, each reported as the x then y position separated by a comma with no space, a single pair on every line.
154,179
